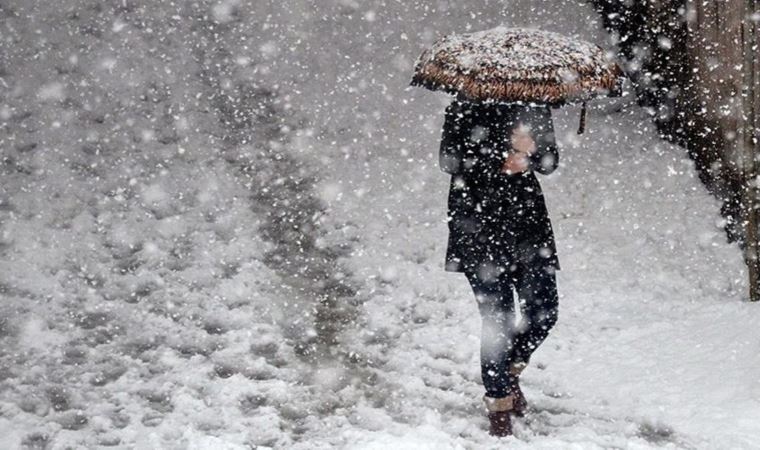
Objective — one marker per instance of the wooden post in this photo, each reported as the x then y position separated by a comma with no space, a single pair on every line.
749,121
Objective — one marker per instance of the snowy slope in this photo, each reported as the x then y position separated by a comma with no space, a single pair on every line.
164,277
144,298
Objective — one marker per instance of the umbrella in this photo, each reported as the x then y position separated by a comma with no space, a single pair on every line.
519,65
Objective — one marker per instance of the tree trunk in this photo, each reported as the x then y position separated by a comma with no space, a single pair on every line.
747,130
722,43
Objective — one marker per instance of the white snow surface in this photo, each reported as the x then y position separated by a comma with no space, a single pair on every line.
140,308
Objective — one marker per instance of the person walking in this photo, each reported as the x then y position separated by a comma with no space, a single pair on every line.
500,236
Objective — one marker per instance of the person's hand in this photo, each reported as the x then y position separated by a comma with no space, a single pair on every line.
516,162
522,140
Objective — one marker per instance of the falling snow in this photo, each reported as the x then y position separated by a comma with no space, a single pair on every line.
223,226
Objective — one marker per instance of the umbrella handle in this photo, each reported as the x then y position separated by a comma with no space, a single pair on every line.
582,124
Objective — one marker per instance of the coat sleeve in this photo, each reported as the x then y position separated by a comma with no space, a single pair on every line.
452,149
546,157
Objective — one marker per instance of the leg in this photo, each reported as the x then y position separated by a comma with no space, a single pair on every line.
496,305
537,290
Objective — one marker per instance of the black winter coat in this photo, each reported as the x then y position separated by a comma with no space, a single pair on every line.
496,221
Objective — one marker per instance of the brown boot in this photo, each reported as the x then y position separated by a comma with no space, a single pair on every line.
498,415
519,404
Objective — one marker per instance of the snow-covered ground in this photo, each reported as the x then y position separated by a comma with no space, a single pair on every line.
654,347
167,282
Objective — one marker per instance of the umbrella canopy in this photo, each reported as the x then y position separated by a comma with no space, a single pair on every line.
518,65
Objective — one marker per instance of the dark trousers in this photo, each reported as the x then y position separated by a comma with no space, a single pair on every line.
504,342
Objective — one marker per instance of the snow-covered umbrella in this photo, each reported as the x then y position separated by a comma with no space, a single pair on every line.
519,65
